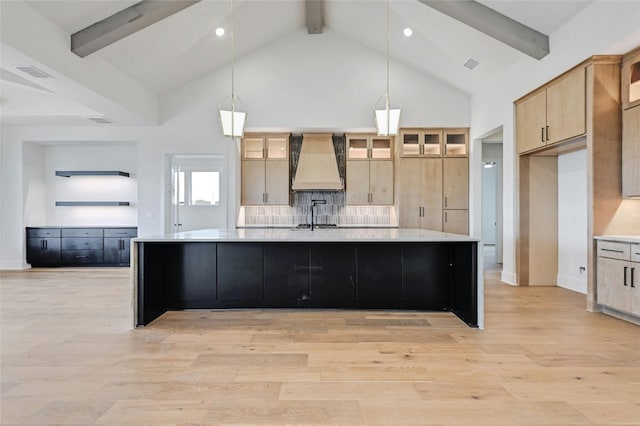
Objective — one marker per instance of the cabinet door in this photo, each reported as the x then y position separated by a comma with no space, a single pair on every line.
43,251
112,250
191,276
631,152
332,275
425,276
566,107
612,277
379,274
286,273
409,192
125,253
357,183
240,271
456,183
531,121
431,194
253,182
456,221
277,182
381,182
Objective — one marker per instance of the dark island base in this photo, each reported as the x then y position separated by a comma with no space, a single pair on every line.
434,276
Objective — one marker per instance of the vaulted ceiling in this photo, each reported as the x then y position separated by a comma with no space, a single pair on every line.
182,47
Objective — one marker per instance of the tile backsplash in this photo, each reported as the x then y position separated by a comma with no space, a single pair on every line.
334,212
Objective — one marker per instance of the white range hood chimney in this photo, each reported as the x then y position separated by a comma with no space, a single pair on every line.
317,166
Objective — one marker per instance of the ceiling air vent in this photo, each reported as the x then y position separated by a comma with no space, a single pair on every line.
34,72
100,120
471,63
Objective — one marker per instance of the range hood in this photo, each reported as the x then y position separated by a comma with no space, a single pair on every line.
317,166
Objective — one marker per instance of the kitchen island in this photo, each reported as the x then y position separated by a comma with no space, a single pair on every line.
344,268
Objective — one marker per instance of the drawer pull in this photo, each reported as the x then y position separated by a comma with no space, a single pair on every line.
84,257
612,250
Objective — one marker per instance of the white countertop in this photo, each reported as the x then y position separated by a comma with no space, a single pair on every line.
620,238
306,235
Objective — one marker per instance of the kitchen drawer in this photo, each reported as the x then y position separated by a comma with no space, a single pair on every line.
82,232
635,252
120,232
43,232
614,250
82,243
82,256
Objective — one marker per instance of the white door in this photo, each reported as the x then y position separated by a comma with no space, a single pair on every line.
198,194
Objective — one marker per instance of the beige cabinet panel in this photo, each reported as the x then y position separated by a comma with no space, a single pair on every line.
357,192
631,152
530,122
566,107
253,182
409,192
431,194
456,221
611,289
276,182
456,183
381,182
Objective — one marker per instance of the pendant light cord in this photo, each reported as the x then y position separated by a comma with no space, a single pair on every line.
388,94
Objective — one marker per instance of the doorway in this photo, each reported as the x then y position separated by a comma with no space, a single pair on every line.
198,195
492,194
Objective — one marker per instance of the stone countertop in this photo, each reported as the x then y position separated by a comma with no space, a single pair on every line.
619,238
306,235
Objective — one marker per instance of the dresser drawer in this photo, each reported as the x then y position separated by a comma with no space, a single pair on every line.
120,232
614,250
635,252
82,256
43,232
82,244
82,232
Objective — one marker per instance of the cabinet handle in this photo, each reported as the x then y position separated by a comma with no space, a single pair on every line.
542,134
632,283
625,276
547,133
46,245
445,217
446,201
41,244
612,250
81,257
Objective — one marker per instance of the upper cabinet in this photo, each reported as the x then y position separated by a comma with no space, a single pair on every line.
630,90
434,142
553,113
265,169
369,169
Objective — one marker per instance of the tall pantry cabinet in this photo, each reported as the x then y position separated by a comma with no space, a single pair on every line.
433,179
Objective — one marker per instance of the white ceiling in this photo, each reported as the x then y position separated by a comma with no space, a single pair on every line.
180,48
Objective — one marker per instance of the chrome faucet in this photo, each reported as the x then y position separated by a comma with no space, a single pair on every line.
313,204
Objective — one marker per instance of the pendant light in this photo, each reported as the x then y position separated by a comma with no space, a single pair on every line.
232,115
387,117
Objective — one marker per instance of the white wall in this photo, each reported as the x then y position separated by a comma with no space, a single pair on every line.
34,185
605,27
572,221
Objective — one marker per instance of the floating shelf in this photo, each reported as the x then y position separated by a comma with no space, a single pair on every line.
91,203
69,173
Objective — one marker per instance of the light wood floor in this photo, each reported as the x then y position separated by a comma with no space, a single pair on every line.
69,357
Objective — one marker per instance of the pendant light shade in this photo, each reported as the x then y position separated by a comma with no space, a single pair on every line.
232,111
232,117
387,117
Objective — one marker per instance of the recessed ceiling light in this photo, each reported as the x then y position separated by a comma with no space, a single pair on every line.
219,31
471,63
408,32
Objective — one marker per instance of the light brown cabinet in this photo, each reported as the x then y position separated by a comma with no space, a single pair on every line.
265,169
420,193
552,114
455,185
618,276
369,170
630,79
434,142
631,152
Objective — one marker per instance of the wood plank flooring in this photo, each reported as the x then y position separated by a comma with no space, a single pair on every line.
69,357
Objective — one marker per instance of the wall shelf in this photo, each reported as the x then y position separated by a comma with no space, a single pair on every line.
91,203
69,173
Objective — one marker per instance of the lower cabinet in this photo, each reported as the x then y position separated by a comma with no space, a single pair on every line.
401,275
618,276
79,246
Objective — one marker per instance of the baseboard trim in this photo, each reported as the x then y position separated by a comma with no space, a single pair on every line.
14,265
571,283
509,278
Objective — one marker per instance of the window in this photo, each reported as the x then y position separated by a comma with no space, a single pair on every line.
197,188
